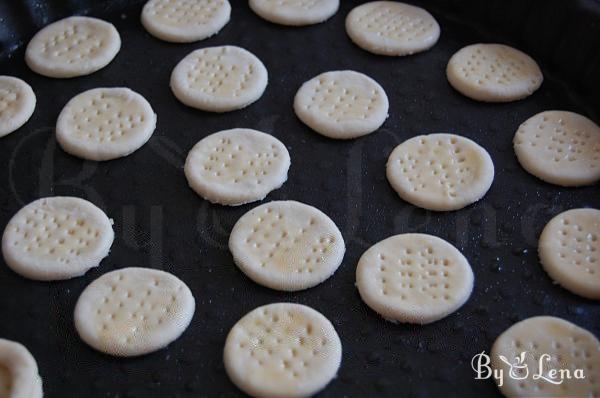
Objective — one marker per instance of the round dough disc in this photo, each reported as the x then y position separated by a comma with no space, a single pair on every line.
73,46
342,104
440,172
18,372
282,350
219,79
569,347
237,166
414,278
493,73
569,250
105,123
56,238
287,245
17,103
392,28
185,21
133,311
295,12
559,147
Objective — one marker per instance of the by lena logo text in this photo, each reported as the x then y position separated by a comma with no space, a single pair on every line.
544,368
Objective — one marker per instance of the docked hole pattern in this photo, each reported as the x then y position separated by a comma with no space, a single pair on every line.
336,99
238,159
394,22
132,306
11,101
418,273
439,165
105,117
282,241
184,12
283,340
62,234
497,66
222,72
75,42
560,139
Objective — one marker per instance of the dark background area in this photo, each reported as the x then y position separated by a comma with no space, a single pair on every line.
161,223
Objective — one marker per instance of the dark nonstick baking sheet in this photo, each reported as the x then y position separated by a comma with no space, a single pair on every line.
161,223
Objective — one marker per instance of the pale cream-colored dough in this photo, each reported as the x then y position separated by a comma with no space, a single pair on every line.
133,311
414,278
17,103
287,245
185,21
569,347
219,79
569,250
56,238
18,372
38,388
493,73
282,350
392,28
105,123
237,166
440,172
342,104
560,147
73,46
295,12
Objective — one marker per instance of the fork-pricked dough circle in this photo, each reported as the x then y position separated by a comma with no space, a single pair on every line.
17,103
73,46
569,250
560,147
287,245
440,172
237,166
342,104
295,12
185,21
493,73
56,238
219,79
133,311
568,346
414,278
392,28
282,350
18,372
105,123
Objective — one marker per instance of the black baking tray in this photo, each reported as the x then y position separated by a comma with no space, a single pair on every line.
161,223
